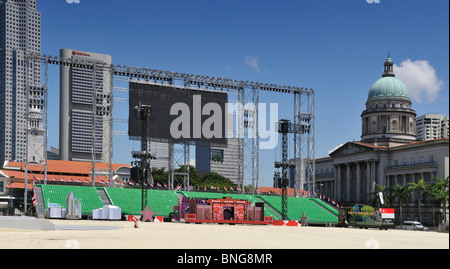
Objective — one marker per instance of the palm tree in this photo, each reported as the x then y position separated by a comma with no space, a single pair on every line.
441,193
430,192
420,187
403,194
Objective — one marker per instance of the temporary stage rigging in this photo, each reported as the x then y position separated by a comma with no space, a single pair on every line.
248,92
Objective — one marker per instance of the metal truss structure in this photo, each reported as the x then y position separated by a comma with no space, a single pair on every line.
144,113
248,95
102,120
284,127
304,142
179,156
248,135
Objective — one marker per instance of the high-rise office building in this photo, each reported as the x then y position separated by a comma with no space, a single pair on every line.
432,126
220,160
77,106
160,150
20,34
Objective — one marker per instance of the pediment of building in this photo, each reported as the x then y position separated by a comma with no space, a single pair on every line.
350,148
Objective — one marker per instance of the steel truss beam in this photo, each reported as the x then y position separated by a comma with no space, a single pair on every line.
167,76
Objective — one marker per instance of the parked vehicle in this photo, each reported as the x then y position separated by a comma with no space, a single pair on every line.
414,226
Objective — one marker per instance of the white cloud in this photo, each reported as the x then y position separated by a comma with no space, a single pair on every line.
421,80
253,62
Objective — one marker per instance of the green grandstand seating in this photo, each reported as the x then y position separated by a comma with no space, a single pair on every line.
298,206
255,199
162,201
89,197
326,206
129,200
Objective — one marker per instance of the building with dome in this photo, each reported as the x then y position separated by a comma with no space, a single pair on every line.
388,154
388,119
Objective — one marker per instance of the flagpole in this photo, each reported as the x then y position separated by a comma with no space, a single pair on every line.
26,189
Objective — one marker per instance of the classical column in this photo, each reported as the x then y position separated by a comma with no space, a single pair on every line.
335,190
358,182
381,179
339,184
368,181
348,185
328,189
373,176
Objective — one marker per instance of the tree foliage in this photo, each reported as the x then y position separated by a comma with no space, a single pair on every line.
435,192
209,179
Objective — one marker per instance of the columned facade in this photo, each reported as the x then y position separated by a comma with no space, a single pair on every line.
388,154
350,174
354,181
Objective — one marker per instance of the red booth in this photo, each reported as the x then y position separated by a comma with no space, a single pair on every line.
227,210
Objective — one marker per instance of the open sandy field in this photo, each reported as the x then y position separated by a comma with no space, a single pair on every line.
214,236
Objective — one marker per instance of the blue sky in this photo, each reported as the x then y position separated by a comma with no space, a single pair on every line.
335,47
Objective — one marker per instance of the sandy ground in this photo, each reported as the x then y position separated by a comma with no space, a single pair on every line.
214,236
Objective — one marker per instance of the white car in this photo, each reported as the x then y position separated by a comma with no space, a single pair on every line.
414,226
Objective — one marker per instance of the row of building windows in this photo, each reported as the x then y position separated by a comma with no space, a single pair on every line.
325,171
389,105
412,161
396,163
82,132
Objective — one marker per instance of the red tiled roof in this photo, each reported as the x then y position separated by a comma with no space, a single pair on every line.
19,185
290,191
323,158
404,145
421,142
370,145
65,167
17,174
20,177
57,171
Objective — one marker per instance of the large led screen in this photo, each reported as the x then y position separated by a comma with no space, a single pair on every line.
179,114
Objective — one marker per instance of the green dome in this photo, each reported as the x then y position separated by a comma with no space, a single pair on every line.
388,87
